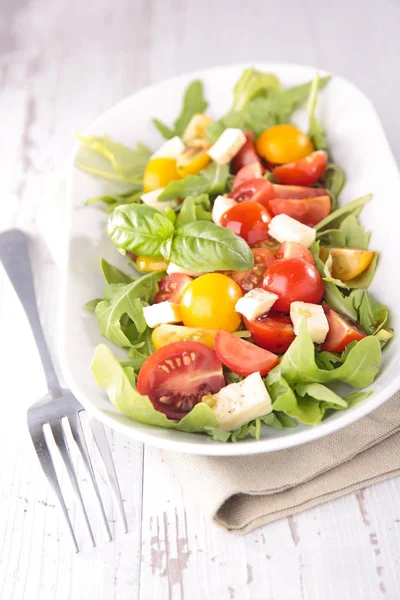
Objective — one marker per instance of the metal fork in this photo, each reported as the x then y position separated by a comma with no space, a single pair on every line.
58,403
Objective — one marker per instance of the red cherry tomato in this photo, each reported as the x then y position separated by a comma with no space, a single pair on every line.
293,279
251,171
341,331
294,250
178,375
242,357
298,191
250,220
253,278
309,211
305,171
247,153
254,190
131,255
171,287
273,332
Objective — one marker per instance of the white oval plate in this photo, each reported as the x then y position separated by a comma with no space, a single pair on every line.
358,143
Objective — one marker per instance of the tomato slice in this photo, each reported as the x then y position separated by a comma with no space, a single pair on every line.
294,250
247,153
347,263
253,278
167,334
242,357
297,191
309,211
250,220
341,331
177,376
171,287
254,190
251,171
305,171
132,256
273,332
293,279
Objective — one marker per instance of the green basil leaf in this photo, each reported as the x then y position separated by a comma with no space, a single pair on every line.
194,208
113,274
337,216
316,131
251,83
165,131
140,229
203,246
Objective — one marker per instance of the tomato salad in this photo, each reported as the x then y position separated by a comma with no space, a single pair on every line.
245,294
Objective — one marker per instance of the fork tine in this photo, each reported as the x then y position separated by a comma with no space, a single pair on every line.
62,444
79,437
105,453
46,460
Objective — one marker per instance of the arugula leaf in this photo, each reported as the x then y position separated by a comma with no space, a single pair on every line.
258,116
113,274
315,129
319,264
354,233
284,399
285,102
141,229
192,185
251,83
327,360
165,131
334,180
114,200
337,216
217,176
128,165
91,305
141,349
372,314
355,397
331,237
203,246
231,377
320,392
340,302
194,208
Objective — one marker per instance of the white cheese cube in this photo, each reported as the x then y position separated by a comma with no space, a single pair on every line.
151,199
317,323
238,403
221,205
196,128
170,149
173,268
285,229
163,312
227,145
255,303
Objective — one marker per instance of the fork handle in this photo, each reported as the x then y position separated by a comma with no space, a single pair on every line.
14,255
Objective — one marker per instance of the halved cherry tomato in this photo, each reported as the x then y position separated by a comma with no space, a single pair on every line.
347,263
293,279
167,334
247,153
298,191
341,331
254,190
145,264
177,376
305,171
309,211
283,144
253,278
250,220
242,357
158,173
273,332
192,160
251,171
171,287
209,301
294,250
131,255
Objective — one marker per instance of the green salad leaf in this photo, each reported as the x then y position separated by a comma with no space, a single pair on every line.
316,131
165,131
194,208
337,216
350,234
250,84
192,185
91,305
111,201
113,274
340,302
217,176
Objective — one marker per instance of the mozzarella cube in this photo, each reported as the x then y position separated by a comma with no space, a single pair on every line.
170,149
227,146
221,205
163,312
317,323
285,229
196,128
151,199
255,303
173,268
238,403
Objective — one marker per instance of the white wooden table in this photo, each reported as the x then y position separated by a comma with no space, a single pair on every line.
61,64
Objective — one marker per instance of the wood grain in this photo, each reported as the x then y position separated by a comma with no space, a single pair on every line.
61,64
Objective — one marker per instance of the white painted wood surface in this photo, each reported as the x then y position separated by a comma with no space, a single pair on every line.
61,64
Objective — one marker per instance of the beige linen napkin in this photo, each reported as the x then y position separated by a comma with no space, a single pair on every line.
241,493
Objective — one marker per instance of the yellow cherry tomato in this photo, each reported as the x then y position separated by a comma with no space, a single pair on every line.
145,264
192,161
283,144
167,334
158,173
347,263
209,301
